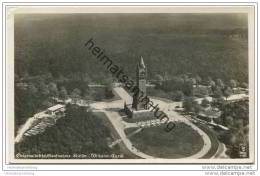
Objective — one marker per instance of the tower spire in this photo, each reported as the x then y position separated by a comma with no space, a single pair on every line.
141,63
141,84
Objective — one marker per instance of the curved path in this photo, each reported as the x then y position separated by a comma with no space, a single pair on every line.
120,125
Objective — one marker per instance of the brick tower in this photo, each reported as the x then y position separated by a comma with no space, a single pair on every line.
141,73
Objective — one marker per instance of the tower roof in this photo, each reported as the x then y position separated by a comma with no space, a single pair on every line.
141,63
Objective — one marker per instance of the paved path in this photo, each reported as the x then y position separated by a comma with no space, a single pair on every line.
128,136
23,129
221,153
123,95
120,125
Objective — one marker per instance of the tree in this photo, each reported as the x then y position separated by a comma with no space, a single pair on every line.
201,91
233,83
109,92
76,91
44,89
75,94
232,139
190,105
220,83
16,78
62,78
239,124
188,87
32,89
53,89
209,81
63,93
187,105
218,120
217,92
244,85
185,77
219,102
165,76
86,77
178,96
197,108
229,121
46,103
227,92
193,80
205,103
87,93
212,83
97,96
198,79
108,80
108,87
158,78
172,85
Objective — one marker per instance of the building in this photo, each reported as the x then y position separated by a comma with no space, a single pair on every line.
138,109
209,114
56,110
141,75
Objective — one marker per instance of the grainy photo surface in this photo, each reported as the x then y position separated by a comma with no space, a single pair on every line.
135,87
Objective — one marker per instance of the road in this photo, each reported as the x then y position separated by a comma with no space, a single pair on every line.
123,95
23,129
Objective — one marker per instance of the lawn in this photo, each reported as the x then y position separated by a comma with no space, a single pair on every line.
181,142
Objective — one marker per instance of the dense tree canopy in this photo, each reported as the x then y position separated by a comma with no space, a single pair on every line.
55,44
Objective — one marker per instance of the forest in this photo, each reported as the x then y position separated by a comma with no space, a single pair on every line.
168,45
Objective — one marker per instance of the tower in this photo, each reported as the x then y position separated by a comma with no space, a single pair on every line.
141,73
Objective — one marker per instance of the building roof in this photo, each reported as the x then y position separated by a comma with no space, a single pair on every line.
237,97
211,113
56,107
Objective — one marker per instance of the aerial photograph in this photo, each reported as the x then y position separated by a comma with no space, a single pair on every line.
135,86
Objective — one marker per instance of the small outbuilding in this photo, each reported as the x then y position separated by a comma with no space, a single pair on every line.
55,110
